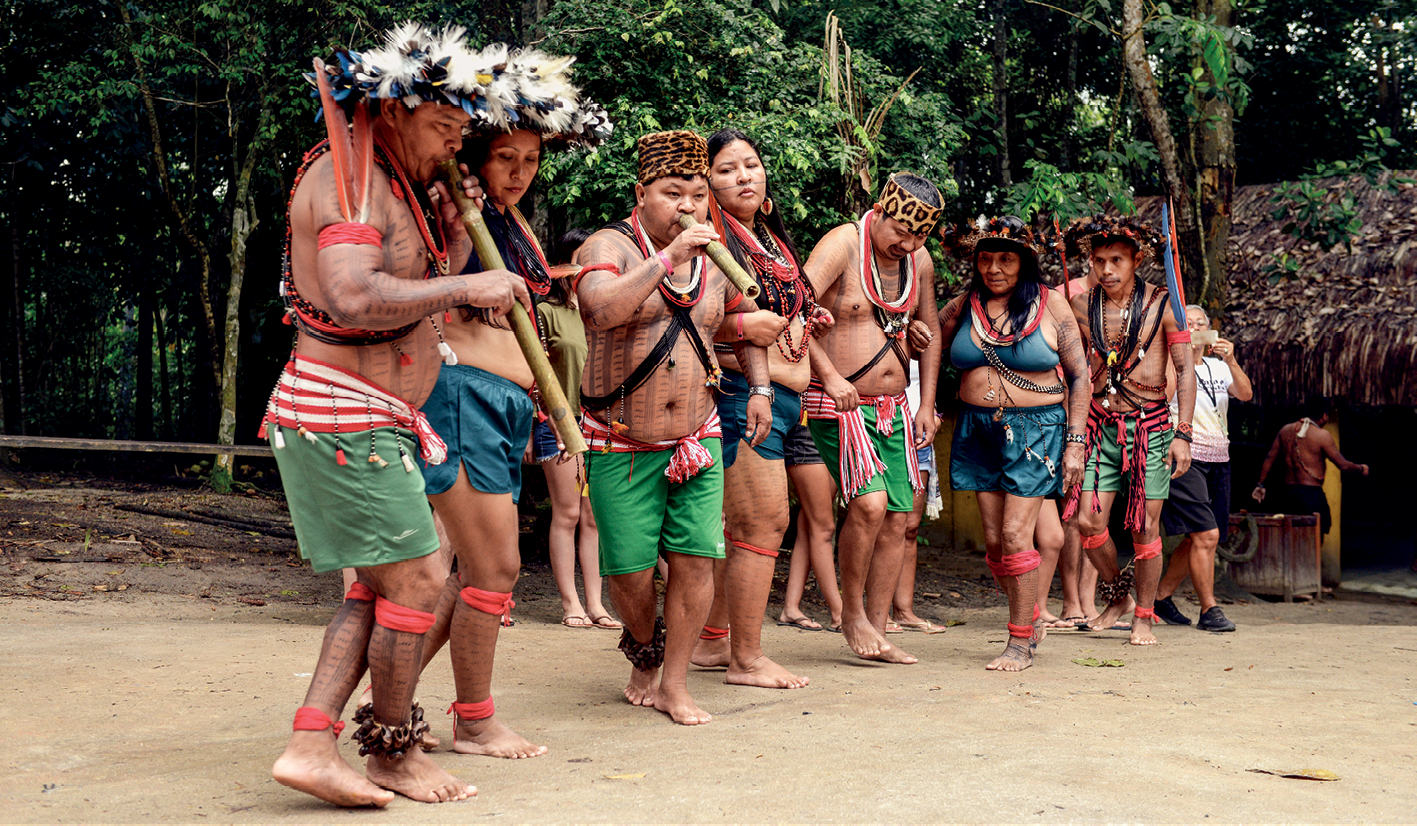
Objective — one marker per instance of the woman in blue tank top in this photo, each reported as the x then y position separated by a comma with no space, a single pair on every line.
1008,339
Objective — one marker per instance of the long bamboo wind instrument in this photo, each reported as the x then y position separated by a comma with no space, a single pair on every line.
724,260
553,398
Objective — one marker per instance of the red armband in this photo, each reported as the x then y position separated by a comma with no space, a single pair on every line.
1178,337
732,303
576,282
351,233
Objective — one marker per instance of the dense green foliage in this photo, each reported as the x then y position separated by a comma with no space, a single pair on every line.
115,304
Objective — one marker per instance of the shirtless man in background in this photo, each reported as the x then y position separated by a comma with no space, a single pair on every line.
1305,446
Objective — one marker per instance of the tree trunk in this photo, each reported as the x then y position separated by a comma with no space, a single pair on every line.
15,422
1159,125
159,156
1001,80
143,352
243,223
1215,181
1070,102
165,427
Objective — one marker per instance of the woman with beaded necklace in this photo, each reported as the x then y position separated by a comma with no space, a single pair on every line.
1007,339
755,489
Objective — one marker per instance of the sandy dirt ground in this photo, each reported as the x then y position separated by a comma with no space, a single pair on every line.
167,700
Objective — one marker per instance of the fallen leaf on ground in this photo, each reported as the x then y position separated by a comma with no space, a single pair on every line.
929,595
624,776
1093,662
251,601
952,623
1300,774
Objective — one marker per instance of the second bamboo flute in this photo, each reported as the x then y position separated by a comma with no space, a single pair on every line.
724,260
552,397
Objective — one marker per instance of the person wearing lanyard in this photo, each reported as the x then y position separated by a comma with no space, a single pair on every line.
1199,506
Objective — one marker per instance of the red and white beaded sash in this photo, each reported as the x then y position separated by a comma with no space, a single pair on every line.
690,457
858,462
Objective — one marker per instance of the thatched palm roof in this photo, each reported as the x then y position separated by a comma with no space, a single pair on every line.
1346,327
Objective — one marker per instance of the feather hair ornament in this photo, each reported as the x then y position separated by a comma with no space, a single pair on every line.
500,89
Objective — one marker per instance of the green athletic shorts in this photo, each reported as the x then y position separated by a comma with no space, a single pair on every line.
1105,463
900,493
640,513
356,515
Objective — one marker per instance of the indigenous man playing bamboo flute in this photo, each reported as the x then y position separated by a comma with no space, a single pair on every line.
1129,428
651,303
874,276
356,285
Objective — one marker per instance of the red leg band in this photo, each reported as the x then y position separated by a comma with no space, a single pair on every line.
488,602
309,718
1145,613
472,712
1020,630
1095,540
711,633
361,592
1014,564
754,548
396,617
1150,550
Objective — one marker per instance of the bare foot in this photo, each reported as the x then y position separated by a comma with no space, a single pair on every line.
863,637
680,707
892,654
1114,612
1141,632
1016,657
427,742
711,653
490,737
641,690
417,777
764,673
311,763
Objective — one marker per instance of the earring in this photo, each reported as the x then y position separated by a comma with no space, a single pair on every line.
766,208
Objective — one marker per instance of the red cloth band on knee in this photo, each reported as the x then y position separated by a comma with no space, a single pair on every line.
472,712
1178,337
361,592
1020,630
309,718
1150,550
711,633
1144,613
754,548
1014,564
396,617
351,233
1095,540
488,602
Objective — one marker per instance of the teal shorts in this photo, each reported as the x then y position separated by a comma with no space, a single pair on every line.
895,481
359,514
486,422
983,458
733,412
641,513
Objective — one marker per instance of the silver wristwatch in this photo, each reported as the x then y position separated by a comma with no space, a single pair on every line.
763,390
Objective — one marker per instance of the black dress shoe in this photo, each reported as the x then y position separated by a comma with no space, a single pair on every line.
1167,610
1215,620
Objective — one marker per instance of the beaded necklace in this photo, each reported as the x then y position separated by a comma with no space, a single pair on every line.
437,247
689,294
785,292
892,316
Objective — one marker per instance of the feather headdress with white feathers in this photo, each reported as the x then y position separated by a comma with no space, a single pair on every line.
500,89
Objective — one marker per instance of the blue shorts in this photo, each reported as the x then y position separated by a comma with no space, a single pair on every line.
925,458
486,421
543,442
983,458
733,411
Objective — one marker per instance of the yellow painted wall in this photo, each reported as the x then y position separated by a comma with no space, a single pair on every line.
1333,491
959,510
